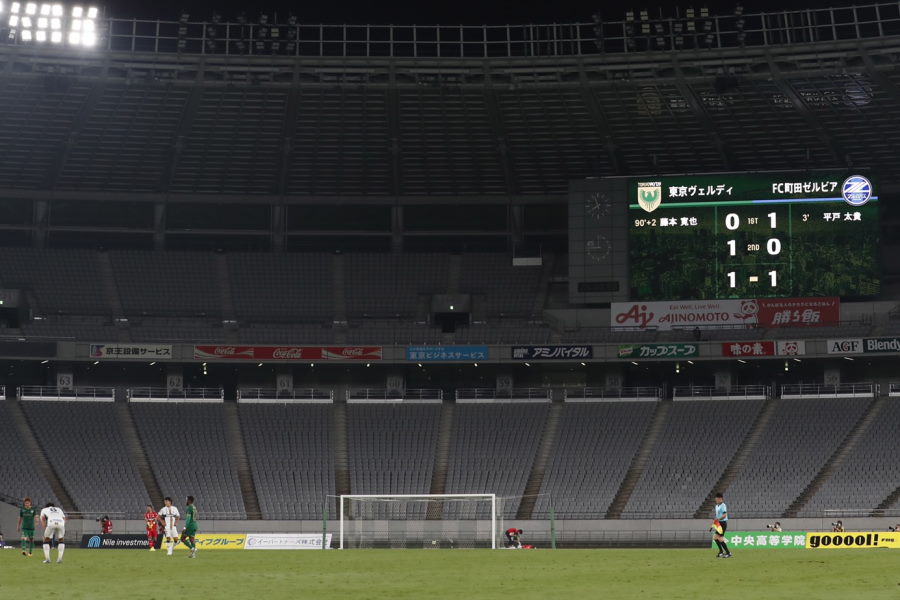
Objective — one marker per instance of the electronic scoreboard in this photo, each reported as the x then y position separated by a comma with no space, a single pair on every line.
752,235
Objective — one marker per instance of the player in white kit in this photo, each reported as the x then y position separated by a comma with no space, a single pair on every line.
168,516
54,521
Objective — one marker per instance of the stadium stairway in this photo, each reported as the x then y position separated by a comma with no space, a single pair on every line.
339,298
541,459
341,452
888,502
136,452
38,456
228,313
548,265
237,450
108,280
639,462
441,457
225,286
750,442
835,460
454,273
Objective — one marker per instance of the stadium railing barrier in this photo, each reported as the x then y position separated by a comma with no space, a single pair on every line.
674,32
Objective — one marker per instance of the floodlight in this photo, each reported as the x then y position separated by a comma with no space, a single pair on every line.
89,27
40,35
56,37
1,7
26,35
45,9
77,11
57,10
76,24
55,23
42,22
89,39
30,8
92,12
26,22
16,7
74,38
14,20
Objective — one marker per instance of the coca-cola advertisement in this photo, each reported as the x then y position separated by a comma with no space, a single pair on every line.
288,353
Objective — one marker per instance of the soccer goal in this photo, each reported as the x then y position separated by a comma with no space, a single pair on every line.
418,521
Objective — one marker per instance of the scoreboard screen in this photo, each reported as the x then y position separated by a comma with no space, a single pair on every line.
753,236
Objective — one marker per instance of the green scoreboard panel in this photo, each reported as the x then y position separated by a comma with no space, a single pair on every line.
753,235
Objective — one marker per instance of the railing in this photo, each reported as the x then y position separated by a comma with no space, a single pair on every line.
161,394
814,390
273,396
382,395
894,389
76,394
629,35
488,395
738,392
628,394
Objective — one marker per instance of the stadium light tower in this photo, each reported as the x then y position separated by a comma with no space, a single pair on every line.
48,23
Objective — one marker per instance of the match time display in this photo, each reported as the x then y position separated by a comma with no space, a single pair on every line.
753,236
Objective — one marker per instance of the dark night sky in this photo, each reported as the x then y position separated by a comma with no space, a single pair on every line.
449,12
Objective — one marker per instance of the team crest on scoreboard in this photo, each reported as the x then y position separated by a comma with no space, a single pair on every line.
856,190
649,195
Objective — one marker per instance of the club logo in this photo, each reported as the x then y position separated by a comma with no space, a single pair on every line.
856,190
649,195
94,542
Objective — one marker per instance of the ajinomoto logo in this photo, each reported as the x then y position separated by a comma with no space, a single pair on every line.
649,195
857,539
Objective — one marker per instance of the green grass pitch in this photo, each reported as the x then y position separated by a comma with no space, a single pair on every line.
434,574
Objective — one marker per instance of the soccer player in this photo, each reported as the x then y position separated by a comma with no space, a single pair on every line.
512,537
168,516
722,518
190,526
54,521
26,525
151,517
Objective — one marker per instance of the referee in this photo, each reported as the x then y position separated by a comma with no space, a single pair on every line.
722,518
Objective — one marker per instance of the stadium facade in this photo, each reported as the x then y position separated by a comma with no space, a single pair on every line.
214,212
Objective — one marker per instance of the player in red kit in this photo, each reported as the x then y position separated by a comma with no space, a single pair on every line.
513,538
152,520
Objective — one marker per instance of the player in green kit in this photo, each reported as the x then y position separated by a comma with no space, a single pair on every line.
190,527
26,526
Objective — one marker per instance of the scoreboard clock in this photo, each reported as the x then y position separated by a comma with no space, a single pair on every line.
753,235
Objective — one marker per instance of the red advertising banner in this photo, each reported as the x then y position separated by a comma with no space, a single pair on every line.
287,353
752,349
798,312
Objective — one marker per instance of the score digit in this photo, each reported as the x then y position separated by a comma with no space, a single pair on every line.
771,216
732,279
773,246
732,247
732,221
773,278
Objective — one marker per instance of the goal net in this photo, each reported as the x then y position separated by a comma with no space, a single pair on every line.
419,521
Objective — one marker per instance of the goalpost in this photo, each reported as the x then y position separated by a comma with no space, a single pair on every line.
418,521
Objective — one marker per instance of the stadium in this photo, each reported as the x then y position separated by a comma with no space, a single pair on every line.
380,290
